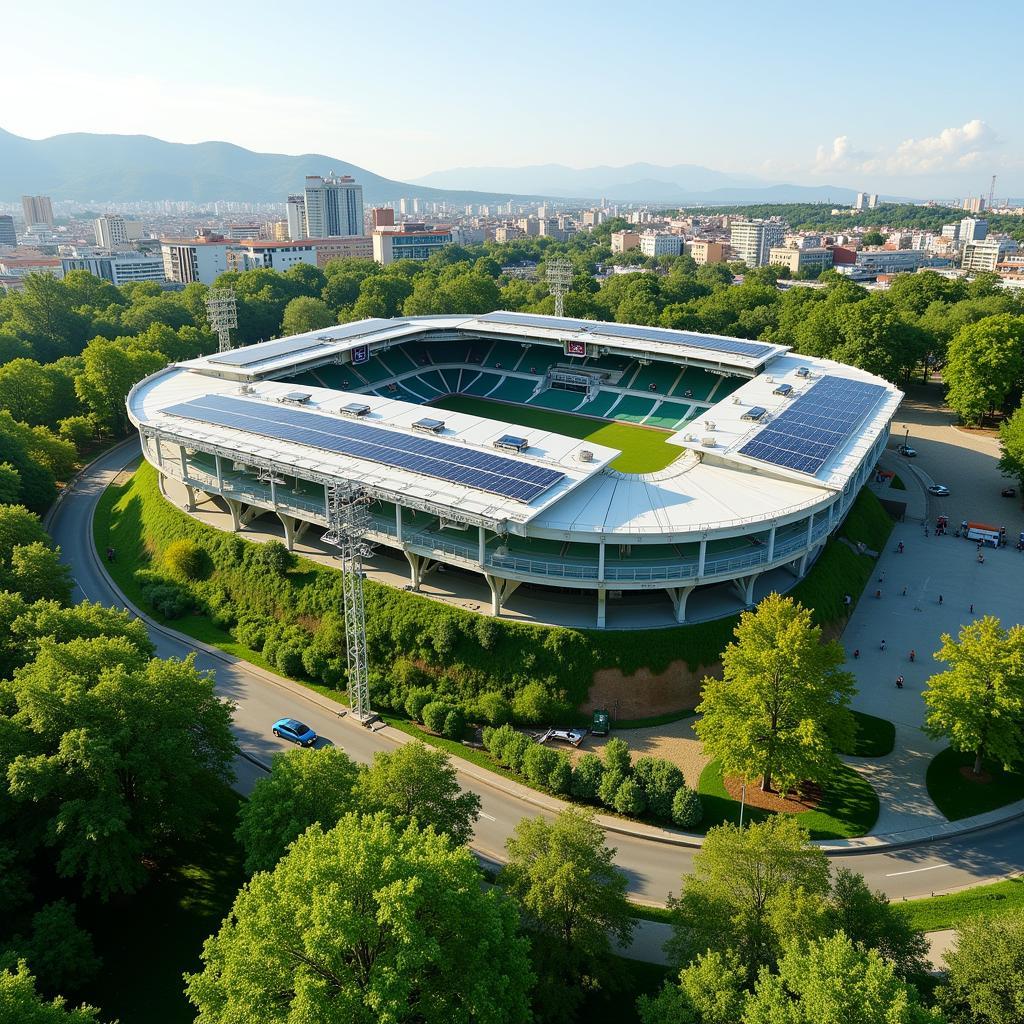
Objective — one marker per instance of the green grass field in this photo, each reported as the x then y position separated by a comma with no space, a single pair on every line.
959,797
643,448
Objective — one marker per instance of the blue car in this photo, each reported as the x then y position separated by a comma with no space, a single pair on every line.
297,732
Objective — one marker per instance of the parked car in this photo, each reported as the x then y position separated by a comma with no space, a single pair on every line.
574,737
905,449
1009,492
294,730
939,490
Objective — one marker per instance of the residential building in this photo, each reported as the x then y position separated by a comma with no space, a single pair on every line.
382,216
111,231
802,241
409,241
889,261
983,256
334,206
528,226
296,216
242,232
974,204
8,236
753,240
195,259
279,230
951,231
37,210
704,251
623,241
351,247
861,202
281,256
655,243
21,266
973,230
118,268
794,259
507,233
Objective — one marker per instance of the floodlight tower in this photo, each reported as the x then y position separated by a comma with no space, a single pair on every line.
992,192
349,518
559,276
222,314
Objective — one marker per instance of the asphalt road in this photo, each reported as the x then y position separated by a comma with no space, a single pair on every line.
653,868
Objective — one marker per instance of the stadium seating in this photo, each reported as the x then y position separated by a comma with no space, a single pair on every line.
661,375
669,415
507,353
632,409
553,398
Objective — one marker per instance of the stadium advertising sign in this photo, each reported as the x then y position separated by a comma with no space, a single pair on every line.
360,354
575,347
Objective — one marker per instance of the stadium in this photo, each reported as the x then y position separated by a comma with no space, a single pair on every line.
631,475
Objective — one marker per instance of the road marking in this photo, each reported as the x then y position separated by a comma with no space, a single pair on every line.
914,871
487,816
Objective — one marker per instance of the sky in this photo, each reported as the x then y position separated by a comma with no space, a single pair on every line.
902,97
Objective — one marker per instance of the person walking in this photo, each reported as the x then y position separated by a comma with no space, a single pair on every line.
899,682
940,600
856,654
881,646
972,608
913,655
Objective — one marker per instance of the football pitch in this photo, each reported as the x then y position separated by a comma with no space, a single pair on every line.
643,448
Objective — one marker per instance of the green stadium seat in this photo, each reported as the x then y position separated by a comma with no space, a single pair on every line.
632,409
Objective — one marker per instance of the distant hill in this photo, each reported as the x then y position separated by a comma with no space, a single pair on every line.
637,183
128,168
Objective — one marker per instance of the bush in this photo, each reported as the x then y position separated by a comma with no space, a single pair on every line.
454,724
494,708
288,659
186,560
687,809
168,599
538,763
610,783
616,757
486,736
629,798
435,714
272,558
514,752
250,633
586,778
495,740
76,429
560,776
660,781
532,705
416,700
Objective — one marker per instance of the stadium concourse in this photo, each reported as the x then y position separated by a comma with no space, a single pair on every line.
559,457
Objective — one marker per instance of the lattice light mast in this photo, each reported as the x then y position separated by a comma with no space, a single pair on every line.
222,314
559,277
349,521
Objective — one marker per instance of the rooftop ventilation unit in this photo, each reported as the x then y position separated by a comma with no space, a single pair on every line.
783,389
803,371
586,455
512,443
355,409
428,425
755,412
707,442
296,397
709,424
247,389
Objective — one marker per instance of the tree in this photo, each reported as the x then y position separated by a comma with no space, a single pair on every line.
364,923
21,1004
305,314
978,702
873,238
1011,444
35,394
573,902
36,572
117,754
44,315
984,364
415,783
304,787
741,891
709,991
781,707
110,370
60,954
18,527
985,972
832,981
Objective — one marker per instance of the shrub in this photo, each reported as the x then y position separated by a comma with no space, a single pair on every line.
250,633
514,752
616,757
610,783
560,776
186,559
416,700
454,724
435,714
538,763
660,781
288,659
486,736
629,798
687,808
315,664
494,707
406,674
168,599
76,429
532,704
586,778
495,740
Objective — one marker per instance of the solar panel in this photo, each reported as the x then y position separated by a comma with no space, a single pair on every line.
805,435
249,354
553,323
470,467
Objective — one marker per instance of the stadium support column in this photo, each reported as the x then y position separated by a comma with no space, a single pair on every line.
810,528
501,591
771,544
398,522
745,586
678,596
419,566
482,549
702,557
220,473
600,560
602,596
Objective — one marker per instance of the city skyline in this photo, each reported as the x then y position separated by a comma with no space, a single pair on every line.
843,125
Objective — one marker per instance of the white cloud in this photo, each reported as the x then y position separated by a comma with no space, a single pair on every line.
836,158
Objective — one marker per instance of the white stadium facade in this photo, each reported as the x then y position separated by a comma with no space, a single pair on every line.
773,449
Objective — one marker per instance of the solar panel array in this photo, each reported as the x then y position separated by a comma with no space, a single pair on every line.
712,343
470,467
809,431
249,354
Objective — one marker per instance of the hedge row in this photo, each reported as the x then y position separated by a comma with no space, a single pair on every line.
493,670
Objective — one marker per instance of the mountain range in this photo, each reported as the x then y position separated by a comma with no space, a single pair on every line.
637,182
126,168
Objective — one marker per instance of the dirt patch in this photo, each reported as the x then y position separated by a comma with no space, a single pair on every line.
805,798
967,771
645,693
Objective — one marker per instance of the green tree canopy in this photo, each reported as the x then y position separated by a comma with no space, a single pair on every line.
20,1003
367,923
984,365
1011,446
985,972
304,314
780,707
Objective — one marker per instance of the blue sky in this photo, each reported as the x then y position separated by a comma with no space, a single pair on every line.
901,97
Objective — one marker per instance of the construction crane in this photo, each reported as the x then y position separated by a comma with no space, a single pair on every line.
349,518
992,192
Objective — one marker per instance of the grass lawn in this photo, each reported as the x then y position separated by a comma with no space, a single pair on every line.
938,912
875,736
897,484
958,797
643,448
849,807
148,940
626,981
